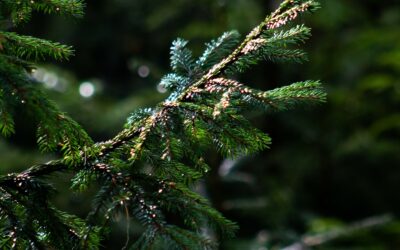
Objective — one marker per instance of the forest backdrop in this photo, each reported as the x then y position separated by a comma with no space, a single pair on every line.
328,166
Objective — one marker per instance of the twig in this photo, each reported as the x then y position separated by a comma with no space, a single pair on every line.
127,228
311,241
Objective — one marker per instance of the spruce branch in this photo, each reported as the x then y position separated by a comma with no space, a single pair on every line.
218,49
146,170
64,7
21,10
181,57
287,11
31,48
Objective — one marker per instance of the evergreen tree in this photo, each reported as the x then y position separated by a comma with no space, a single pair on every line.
146,173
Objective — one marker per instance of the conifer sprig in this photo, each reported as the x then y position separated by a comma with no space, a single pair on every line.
286,12
147,170
31,48
20,11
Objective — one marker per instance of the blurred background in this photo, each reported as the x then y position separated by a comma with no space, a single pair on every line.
331,179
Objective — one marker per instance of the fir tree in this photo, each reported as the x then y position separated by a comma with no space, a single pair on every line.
146,172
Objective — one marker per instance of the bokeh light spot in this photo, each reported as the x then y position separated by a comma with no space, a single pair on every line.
161,88
86,89
50,80
143,71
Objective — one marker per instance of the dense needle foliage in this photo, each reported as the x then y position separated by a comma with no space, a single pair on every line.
145,173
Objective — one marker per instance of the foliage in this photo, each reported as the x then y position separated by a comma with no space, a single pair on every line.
146,172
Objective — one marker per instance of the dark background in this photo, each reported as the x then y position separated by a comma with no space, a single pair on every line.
328,166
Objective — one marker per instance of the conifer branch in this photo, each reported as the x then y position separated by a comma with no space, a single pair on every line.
21,10
31,48
287,11
147,168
